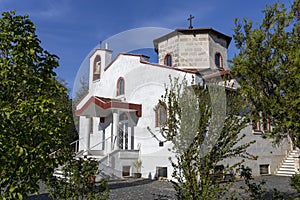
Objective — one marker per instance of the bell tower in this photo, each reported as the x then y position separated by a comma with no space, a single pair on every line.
99,59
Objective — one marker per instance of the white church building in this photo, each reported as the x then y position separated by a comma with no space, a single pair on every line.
123,101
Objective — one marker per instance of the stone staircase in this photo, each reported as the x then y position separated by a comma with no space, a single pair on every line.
287,168
105,163
58,173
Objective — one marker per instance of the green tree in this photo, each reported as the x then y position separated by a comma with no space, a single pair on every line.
203,136
78,182
267,67
32,119
78,95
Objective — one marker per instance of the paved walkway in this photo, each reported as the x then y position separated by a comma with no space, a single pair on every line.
145,189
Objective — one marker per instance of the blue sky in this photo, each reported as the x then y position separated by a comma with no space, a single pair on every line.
72,28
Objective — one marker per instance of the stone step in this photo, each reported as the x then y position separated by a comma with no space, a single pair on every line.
284,174
58,173
287,167
289,161
290,158
286,170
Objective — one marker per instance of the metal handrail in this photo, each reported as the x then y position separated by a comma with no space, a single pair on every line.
101,142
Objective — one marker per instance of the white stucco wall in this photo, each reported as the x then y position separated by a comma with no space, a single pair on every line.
145,84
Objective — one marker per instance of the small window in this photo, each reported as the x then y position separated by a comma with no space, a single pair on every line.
162,172
255,125
126,171
168,60
267,125
97,68
102,120
160,114
120,87
264,169
161,144
261,125
218,60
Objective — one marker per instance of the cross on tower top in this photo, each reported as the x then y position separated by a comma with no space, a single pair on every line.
190,19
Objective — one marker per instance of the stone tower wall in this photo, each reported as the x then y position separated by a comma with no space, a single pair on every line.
192,50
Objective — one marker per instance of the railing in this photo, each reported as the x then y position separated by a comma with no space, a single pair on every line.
105,144
76,145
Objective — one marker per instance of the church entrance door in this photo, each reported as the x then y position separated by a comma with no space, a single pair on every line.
123,132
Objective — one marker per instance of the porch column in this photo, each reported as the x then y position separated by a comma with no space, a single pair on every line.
115,133
87,136
131,137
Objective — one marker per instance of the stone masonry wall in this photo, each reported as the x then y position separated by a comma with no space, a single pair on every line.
217,45
188,50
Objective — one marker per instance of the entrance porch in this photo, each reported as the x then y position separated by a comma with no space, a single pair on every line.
106,125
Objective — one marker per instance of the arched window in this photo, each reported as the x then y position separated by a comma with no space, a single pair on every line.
120,86
218,60
97,68
168,60
160,114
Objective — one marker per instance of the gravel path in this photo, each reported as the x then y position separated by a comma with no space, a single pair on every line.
144,189
141,189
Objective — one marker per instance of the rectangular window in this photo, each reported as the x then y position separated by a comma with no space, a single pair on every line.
162,172
267,125
264,169
161,144
256,127
126,171
102,119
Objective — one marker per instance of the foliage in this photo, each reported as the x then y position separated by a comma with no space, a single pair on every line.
137,165
200,142
77,181
67,103
268,67
295,182
82,90
78,95
33,121
256,190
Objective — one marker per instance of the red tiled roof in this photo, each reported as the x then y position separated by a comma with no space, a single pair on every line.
107,103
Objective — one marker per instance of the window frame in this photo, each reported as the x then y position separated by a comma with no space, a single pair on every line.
168,55
262,167
120,91
97,60
267,122
158,122
220,60
256,125
261,125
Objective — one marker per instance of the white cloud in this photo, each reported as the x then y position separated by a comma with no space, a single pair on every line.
53,9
